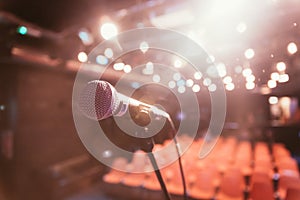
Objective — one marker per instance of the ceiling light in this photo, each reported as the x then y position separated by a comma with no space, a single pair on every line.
292,48
247,72
275,76
273,100
196,88
108,30
272,84
249,53
283,78
227,80
250,78
82,57
281,66
230,87
250,85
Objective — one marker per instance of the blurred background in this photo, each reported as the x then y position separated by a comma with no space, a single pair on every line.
254,45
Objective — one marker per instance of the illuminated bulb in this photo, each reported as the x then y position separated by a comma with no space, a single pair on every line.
22,30
229,87
148,69
250,78
85,37
177,63
176,76
102,60
109,53
196,88
272,84
247,72
127,69
292,48
221,69
144,47
250,85
156,78
283,78
82,57
206,82
108,30
189,83
198,75
181,89
172,84
273,100
118,66
227,80
281,66
275,76
212,87
249,53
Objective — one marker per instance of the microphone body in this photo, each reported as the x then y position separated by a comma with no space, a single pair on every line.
100,100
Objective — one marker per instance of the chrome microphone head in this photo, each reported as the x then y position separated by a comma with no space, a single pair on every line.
98,100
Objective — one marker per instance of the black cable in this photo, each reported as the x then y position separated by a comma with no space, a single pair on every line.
179,158
158,175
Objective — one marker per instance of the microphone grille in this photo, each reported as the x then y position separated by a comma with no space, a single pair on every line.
96,100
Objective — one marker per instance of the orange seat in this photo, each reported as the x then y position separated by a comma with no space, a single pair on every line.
261,191
293,193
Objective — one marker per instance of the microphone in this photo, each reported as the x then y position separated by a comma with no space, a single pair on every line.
100,100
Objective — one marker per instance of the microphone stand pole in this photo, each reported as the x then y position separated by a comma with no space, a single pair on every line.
148,149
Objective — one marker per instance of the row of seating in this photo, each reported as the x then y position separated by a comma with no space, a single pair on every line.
232,170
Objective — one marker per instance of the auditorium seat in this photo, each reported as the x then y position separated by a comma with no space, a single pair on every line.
293,193
262,191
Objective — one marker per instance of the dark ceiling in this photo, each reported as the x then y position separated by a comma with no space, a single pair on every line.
270,26
58,15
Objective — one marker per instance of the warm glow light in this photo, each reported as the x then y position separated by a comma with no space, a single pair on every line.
249,53
156,78
118,66
198,75
177,63
144,47
189,83
283,78
212,87
273,100
221,69
292,48
109,53
127,68
196,88
172,84
229,87
181,89
275,76
272,84
250,85
108,30
281,66
227,80
247,72
82,57
206,81
176,76
250,78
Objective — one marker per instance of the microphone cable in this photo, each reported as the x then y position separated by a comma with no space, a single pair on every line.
177,145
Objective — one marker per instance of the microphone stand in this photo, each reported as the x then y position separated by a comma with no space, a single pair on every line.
148,149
